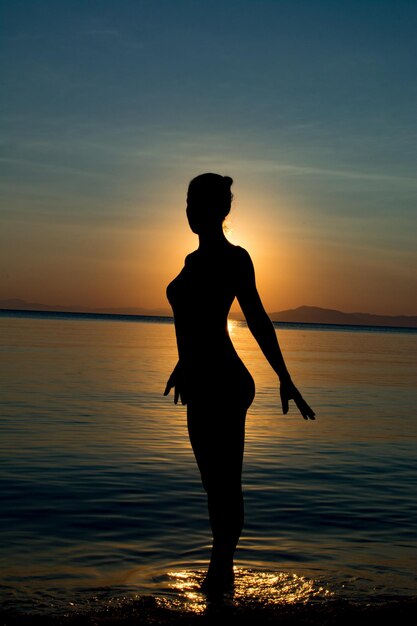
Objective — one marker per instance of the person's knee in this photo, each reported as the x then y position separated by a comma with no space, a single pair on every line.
223,491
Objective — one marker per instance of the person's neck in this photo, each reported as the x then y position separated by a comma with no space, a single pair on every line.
212,239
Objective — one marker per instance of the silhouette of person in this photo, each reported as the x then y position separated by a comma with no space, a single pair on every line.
209,377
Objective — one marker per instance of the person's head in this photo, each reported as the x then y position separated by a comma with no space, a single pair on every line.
208,201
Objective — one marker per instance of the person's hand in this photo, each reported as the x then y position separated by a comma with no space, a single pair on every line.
175,381
288,391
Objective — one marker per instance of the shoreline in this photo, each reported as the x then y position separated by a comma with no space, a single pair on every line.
150,611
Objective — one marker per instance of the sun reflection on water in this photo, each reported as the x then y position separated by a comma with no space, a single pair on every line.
253,585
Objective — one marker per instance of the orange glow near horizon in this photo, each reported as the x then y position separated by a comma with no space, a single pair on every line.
129,264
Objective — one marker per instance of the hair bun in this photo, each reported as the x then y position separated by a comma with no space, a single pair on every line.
228,181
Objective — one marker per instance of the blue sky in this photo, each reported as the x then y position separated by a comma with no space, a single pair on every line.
110,108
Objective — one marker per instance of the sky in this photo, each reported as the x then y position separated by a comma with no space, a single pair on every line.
110,107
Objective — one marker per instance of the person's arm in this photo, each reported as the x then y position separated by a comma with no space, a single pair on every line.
262,329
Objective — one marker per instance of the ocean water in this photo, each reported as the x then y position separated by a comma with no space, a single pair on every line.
101,500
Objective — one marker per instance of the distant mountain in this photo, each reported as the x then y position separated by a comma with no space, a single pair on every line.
316,315
22,305
303,314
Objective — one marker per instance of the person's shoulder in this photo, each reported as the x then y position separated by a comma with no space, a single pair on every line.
242,255
190,257
242,264
241,251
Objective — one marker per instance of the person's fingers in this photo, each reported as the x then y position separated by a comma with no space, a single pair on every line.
305,410
284,402
167,388
292,393
301,406
176,395
310,413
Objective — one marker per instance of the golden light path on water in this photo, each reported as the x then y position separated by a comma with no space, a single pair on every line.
276,588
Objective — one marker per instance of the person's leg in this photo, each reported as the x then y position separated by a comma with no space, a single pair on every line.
226,512
218,443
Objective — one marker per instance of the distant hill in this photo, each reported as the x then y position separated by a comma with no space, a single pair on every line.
316,315
302,314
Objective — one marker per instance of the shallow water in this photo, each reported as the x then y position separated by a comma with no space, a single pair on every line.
100,494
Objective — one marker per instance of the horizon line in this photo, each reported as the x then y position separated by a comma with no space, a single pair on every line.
166,312
170,318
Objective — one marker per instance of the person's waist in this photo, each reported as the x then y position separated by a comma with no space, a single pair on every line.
200,347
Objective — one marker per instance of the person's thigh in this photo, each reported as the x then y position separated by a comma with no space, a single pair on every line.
217,437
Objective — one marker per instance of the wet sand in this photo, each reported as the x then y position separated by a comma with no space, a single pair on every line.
148,611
